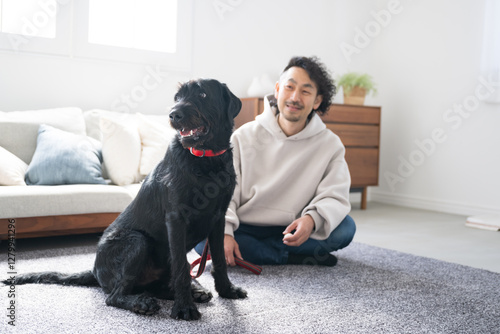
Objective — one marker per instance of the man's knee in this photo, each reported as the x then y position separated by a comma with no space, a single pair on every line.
344,233
349,225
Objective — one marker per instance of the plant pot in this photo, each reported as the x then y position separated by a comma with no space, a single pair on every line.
356,96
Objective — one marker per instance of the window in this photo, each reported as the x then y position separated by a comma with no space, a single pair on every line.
138,24
27,17
35,26
143,31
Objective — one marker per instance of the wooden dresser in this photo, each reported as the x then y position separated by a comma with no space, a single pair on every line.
359,129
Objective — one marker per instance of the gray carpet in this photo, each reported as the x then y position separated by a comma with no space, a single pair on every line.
371,290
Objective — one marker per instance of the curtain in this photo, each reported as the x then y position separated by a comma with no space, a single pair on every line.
490,63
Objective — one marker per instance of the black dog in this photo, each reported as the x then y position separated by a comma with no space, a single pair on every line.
142,254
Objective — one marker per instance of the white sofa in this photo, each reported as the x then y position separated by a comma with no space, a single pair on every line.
65,171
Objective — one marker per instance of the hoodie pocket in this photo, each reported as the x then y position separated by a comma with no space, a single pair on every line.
260,215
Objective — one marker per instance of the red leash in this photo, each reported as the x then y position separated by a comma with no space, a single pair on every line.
248,266
202,261
205,256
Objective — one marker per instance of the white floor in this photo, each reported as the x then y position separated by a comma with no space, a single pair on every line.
426,233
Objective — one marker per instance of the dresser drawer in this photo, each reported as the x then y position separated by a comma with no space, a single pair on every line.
340,113
356,135
363,166
250,107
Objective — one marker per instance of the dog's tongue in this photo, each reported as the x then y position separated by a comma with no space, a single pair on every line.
185,133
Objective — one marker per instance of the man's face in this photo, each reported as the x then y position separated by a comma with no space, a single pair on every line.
297,95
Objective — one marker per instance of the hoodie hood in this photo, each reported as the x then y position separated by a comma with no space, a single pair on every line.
269,121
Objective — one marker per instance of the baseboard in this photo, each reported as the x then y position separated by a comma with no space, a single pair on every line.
430,204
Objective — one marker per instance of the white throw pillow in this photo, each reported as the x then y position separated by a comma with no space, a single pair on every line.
121,150
93,120
155,138
12,169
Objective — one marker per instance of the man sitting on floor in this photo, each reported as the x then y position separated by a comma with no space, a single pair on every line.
291,201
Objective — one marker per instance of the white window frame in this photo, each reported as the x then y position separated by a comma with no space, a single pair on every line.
60,45
72,39
180,60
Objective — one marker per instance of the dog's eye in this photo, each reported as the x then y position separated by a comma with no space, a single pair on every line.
203,95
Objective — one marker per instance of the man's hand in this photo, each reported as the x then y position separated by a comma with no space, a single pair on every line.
231,249
303,228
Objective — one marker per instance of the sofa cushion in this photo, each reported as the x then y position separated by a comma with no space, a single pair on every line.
121,150
93,120
155,134
19,201
67,119
19,129
64,158
12,169
155,138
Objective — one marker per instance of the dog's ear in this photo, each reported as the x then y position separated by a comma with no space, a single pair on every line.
232,102
180,86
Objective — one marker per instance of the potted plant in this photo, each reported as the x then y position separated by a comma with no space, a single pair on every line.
356,86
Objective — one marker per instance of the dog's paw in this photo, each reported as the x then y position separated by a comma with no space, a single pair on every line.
199,293
145,305
233,292
185,312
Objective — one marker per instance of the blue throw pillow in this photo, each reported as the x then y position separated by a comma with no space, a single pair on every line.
64,158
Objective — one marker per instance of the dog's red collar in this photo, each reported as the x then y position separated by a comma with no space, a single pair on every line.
205,153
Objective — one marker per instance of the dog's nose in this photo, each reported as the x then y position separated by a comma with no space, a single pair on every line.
175,116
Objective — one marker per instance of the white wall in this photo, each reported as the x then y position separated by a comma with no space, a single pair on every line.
259,36
425,60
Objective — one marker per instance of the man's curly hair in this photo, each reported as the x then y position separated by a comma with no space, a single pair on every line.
320,76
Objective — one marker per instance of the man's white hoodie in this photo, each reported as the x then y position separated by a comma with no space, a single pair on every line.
280,178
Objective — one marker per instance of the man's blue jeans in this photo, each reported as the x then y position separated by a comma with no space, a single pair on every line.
264,244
